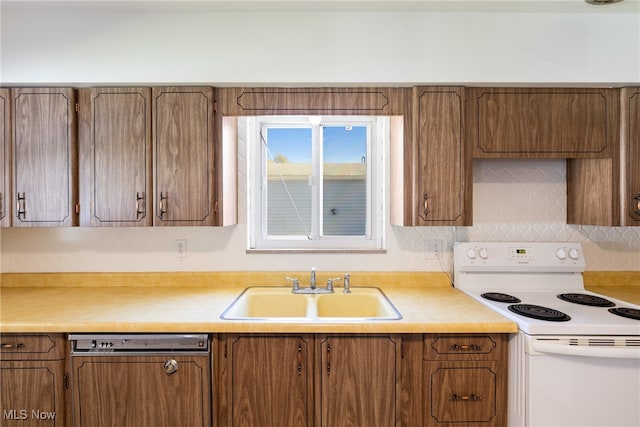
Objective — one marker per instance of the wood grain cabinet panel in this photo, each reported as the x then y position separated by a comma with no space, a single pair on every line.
308,380
118,391
465,380
5,157
359,381
44,150
268,381
115,157
630,109
443,173
543,122
184,157
32,380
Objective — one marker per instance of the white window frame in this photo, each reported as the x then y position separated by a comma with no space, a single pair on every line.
373,240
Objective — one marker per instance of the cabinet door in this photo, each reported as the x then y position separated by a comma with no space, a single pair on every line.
443,189
269,383
44,157
32,393
32,380
543,122
183,145
5,157
359,381
631,155
463,393
115,157
136,391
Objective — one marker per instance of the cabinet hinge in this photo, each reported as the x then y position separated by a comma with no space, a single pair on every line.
77,108
215,207
65,381
215,106
78,208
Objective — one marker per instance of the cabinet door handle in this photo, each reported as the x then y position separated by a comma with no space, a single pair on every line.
465,398
425,211
299,370
637,199
21,206
9,346
163,207
140,203
465,347
170,366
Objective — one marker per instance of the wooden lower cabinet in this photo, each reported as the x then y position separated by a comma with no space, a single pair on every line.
140,391
308,380
32,380
465,380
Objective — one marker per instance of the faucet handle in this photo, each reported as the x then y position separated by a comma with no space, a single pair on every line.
295,282
330,283
347,283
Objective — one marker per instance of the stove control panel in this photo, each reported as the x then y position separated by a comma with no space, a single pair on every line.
519,256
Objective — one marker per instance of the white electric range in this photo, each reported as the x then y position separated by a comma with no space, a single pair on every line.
575,361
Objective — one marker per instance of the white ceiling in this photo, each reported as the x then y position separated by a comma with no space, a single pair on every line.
495,6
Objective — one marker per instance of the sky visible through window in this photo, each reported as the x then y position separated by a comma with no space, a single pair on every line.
340,144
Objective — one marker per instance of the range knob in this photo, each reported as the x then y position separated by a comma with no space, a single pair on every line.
561,253
471,253
484,254
573,254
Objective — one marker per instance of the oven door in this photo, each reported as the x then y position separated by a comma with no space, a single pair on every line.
582,381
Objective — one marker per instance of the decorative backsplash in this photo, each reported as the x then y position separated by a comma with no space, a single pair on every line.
513,200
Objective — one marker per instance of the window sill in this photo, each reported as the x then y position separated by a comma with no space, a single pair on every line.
316,251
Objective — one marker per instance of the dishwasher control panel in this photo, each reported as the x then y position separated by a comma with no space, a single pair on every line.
96,343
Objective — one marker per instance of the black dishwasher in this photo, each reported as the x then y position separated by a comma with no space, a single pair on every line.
141,380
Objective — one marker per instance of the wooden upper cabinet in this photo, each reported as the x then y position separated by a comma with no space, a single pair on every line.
375,101
5,157
183,147
115,157
44,150
443,170
630,109
543,122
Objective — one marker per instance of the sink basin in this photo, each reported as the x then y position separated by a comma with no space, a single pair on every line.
280,304
368,303
267,302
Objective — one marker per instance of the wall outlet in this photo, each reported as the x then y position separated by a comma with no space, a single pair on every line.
432,248
181,248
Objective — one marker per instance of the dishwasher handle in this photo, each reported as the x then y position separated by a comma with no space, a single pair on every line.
170,366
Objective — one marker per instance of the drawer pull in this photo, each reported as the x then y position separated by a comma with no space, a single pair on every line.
470,397
9,346
465,347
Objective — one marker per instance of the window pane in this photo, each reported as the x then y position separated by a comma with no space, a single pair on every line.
344,150
288,193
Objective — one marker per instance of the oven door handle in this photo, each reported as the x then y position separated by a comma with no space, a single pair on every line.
586,351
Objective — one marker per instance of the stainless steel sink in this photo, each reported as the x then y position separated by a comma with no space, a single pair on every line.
280,304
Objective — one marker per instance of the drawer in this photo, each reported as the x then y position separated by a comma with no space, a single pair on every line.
32,347
464,394
465,347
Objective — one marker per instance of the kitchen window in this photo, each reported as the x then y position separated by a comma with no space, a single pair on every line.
316,182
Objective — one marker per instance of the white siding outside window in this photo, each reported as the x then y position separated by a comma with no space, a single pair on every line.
316,182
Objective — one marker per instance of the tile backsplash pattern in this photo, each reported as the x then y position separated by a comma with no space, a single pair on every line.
514,200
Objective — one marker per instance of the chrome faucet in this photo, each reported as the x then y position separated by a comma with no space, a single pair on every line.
312,282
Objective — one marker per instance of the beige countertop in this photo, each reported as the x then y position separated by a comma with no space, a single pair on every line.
193,302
